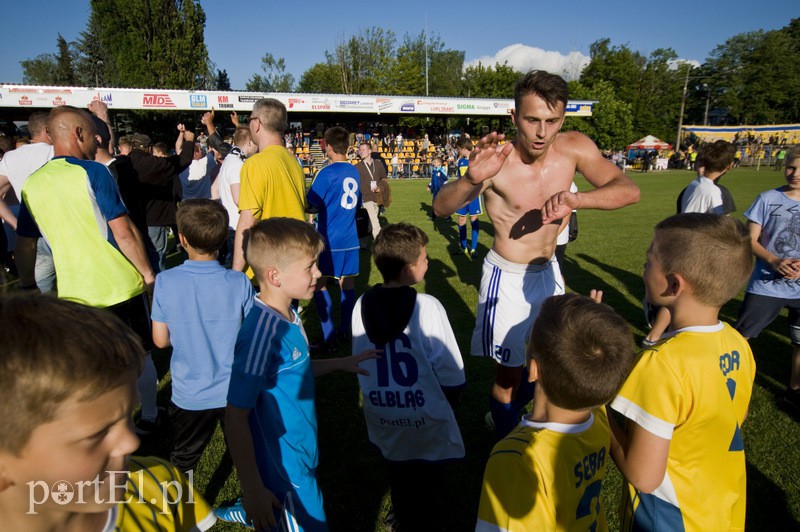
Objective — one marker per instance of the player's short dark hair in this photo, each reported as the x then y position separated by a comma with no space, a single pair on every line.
161,147
338,139
716,156
550,87
102,131
272,114
793,154
397,246
53,349
712,252
203,223
583,349
464,143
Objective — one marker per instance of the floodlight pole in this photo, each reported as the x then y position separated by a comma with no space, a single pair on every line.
426,55
683,106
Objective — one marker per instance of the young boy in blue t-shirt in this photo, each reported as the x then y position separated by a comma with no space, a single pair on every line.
271,423
438,180
198,308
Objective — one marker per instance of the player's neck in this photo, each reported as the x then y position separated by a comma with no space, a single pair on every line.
546,412
277,302
792,193
688,312
337,158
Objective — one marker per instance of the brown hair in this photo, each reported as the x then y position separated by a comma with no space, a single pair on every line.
395,247
793,154
712,252
338,139
550,87
241,136
272,114
52,350
203,223
37,122
280,241
717,156
463,143
583,349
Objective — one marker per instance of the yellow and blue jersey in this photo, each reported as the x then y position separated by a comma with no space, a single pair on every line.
692,388
547,476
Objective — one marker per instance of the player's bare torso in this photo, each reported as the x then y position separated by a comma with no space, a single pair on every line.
515,196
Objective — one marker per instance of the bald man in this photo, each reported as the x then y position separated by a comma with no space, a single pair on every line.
74,204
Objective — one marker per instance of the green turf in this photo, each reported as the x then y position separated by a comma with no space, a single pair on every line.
608,255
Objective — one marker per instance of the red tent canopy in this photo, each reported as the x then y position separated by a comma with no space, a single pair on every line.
649,143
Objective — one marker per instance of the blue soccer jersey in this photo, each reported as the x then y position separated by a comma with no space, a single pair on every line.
438,180
336,192
272,375
474,207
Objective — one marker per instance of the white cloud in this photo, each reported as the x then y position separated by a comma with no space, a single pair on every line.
675,64
523,58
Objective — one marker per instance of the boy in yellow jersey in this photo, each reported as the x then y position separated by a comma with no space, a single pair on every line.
547,473
67,391
687,396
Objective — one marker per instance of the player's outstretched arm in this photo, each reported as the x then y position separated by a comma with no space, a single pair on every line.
485,162
346,364
613,189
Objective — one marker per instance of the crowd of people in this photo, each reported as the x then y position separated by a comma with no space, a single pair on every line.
93,227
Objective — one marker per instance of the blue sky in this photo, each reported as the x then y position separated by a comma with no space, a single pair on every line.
529,34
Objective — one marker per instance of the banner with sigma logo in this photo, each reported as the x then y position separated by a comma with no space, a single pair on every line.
29,96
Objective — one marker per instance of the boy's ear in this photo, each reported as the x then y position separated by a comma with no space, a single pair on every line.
182,240
273,276
5,481
533,370
676,284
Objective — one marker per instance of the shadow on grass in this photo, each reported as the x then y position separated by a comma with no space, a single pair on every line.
766,504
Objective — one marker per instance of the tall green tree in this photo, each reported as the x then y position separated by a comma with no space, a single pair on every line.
275,78
611,125
65,71
222,82
41,70
364,61
320,78
481,81
150,43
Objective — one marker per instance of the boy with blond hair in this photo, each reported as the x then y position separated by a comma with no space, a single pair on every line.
687,396
580,352
409,411
67,391
198,308
270,421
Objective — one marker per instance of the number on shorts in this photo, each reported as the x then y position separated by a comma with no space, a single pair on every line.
349,189
502,355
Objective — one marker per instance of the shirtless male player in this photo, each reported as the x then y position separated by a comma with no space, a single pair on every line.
525,184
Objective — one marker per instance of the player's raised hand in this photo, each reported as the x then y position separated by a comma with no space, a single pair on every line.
235,118
487,158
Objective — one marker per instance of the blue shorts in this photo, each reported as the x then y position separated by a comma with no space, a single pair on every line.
338,264
473,208
758,311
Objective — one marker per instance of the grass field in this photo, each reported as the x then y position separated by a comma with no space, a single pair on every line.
608,255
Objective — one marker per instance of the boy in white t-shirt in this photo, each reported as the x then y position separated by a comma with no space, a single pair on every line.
410,391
